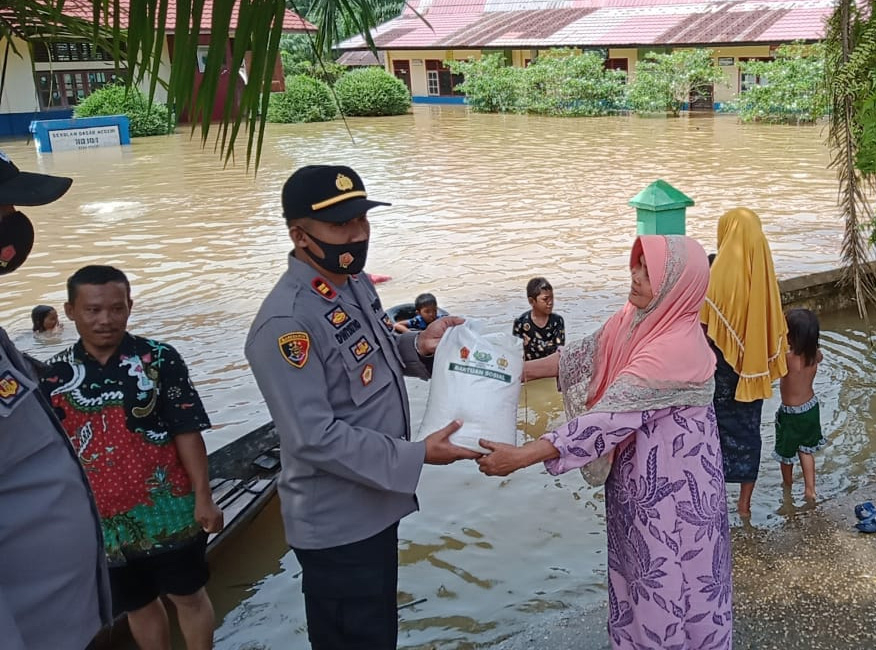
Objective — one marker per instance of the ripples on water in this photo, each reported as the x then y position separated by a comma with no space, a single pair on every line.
481,203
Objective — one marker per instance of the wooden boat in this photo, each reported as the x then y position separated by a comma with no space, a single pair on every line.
244,478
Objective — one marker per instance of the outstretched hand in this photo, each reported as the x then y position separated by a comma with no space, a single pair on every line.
429,337
439,449
502,459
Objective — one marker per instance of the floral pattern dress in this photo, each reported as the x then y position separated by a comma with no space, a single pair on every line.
669,562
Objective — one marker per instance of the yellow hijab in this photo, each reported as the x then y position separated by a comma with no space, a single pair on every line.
743,308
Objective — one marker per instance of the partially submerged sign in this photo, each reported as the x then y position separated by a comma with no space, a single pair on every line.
81,133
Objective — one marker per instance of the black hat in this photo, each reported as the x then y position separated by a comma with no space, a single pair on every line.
28,188
333,193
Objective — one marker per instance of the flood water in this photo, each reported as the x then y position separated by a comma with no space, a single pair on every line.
481,203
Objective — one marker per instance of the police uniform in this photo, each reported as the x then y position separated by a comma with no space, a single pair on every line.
53,581
332,374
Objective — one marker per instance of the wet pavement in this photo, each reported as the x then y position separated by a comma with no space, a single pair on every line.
809,584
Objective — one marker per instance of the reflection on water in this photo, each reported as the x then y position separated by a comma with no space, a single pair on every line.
481,203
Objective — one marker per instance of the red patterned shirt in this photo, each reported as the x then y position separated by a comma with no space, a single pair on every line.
121,418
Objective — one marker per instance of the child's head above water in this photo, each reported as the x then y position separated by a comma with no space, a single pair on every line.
427,307
541,295
44,318
803,331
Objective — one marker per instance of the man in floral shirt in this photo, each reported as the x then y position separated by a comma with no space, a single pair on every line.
135,420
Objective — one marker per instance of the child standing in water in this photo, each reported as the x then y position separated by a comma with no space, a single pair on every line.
541,329
798,424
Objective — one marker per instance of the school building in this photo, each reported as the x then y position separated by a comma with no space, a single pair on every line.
44,77
623,31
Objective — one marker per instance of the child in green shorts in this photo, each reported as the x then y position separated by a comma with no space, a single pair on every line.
798,424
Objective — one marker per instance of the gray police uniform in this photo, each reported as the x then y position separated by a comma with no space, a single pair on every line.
331,372
54,593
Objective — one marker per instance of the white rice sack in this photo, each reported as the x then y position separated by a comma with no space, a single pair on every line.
476,379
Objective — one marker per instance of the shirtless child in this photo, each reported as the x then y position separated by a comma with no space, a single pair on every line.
798,425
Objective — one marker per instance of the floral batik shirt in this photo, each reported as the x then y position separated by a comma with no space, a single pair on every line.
121,418
539,342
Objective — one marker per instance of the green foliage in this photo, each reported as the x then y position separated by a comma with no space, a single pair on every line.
371,92
665,82
489,84
116,99
306,100
563,83
558,83
298,57
792,90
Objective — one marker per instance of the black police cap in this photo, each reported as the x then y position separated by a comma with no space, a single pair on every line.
333,193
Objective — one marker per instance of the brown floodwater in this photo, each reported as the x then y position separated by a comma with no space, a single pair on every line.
481,203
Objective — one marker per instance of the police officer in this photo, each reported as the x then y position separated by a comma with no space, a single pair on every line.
53,582
331,371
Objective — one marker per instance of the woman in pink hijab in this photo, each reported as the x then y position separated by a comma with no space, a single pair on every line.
638,393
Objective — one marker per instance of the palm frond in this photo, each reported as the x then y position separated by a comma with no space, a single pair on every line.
851,53
140,48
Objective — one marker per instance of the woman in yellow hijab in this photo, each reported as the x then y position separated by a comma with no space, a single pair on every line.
743,319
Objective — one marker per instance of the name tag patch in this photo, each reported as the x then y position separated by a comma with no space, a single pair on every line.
11,389
295,346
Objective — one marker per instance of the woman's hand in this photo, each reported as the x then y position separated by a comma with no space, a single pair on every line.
548,366
502,459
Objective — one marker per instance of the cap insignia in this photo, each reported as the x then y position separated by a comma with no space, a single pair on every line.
343,183
6,254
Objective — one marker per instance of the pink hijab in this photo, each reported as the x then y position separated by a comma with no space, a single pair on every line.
661,348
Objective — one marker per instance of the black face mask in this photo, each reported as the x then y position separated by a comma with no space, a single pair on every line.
342,259
16,240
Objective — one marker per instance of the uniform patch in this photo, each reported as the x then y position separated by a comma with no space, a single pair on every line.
323,288
367,374
295,346
361,348
11,390
345,259
337,317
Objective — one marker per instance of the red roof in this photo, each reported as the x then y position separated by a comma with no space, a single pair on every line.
477,24
84,9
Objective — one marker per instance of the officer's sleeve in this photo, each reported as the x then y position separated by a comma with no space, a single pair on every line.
295,389
9,627
414,364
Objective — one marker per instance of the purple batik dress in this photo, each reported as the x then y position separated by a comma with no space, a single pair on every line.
669,577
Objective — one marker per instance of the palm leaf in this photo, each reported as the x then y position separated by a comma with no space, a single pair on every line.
140,48
850,45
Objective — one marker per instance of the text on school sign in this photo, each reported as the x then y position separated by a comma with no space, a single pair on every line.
85,138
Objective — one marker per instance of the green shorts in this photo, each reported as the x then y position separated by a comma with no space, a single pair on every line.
798,430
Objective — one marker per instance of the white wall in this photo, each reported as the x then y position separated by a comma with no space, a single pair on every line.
19,93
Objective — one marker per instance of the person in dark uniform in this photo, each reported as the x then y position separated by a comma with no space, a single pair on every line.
54,591
325,358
